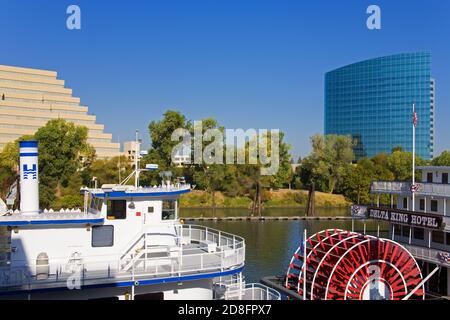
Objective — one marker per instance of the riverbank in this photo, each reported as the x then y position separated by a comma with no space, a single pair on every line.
267,218
269,213
282,198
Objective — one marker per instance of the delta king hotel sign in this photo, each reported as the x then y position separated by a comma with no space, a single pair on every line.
411,218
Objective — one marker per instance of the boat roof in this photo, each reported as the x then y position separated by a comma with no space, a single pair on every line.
50,218
434,168
120,191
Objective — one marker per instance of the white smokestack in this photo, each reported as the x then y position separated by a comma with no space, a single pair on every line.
29,180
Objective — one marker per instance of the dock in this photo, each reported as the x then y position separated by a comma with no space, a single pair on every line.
266,218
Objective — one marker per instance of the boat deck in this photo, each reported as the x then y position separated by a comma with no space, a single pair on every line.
204,253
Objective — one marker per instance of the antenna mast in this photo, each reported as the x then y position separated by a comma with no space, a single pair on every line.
136,159
120,178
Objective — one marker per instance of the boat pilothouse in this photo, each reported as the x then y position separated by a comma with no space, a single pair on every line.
127,242
419,219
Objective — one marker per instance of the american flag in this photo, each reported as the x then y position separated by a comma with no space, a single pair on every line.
415,188
414,117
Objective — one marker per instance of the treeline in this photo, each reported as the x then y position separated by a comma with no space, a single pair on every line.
330,168
231,179
67,162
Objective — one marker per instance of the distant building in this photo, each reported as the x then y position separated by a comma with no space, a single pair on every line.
29,98
129,149
294,166
372,102
183,157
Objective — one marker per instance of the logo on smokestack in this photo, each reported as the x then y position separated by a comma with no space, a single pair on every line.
27,172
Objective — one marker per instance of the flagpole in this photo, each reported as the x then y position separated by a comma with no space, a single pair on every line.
414,158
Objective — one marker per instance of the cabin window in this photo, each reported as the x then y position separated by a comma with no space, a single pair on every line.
438,236
405,203
434,205
168,209
102,236
430,177
397,229
419,233
96,204
422,204
445,178
117,209
405,231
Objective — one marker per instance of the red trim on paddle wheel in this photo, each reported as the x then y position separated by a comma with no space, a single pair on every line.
343,265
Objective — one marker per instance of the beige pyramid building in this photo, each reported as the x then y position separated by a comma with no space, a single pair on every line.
31,97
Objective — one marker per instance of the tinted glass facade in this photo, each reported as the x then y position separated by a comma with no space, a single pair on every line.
372,101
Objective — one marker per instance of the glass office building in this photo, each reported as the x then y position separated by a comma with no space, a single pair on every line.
372,101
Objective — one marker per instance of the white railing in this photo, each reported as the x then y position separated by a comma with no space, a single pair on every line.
390,186
428,254
397,187
138,245
235,288
228,253
252,291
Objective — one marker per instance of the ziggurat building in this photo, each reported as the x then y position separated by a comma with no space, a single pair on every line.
29,98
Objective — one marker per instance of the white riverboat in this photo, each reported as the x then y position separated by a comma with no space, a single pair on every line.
127,242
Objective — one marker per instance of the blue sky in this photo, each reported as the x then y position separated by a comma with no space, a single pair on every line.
249,64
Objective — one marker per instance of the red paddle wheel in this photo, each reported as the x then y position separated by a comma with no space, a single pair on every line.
343,265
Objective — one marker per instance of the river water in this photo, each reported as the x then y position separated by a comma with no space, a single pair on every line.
271,244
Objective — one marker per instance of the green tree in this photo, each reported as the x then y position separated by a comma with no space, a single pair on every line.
210,176
442,160
400,164
329,157
62,147
161,148
357,179
9,164
161,137
284,174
